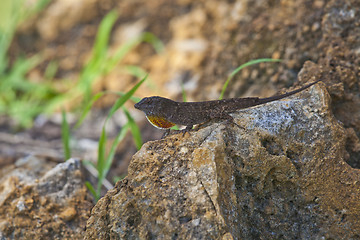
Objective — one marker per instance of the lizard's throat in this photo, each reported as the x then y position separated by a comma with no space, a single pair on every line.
159,122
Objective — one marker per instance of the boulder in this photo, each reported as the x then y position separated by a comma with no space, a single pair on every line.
280,174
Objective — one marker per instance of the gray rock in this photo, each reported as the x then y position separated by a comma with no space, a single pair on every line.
280,176
38,203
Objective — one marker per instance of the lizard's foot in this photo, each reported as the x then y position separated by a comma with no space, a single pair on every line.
234,123
186,130
183,131
197,127
166,133
224,116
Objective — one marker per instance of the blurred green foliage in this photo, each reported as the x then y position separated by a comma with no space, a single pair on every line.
23,99
104,159
20,98
100,64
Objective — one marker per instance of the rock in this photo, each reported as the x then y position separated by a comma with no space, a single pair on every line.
40,201
280,176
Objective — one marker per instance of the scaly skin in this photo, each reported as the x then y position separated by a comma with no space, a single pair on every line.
164,113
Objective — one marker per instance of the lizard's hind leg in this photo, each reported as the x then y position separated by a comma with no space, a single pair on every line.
230,119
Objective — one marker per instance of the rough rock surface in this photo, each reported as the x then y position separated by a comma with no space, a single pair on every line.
40,202
279,179
281,176
204,42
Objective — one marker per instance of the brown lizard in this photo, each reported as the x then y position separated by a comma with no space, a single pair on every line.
164,113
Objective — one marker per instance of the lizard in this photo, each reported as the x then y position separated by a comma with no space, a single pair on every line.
165,113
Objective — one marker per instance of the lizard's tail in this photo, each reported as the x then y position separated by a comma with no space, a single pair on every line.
274,98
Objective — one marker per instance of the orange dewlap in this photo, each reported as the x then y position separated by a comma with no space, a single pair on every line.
160,122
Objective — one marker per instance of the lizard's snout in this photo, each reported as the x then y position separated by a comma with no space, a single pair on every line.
137,105
144,104
140,105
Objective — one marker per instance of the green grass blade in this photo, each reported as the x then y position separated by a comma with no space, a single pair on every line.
120,53
16,76
134,129
10,12
132,98
95,67
88,163
183,93
116,142
102,37
124,98
88,108
23,112
92,190
154,41
13,12
51,70
135,71
65,135
252,62
101,155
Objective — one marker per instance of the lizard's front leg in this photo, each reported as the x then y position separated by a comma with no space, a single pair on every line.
183,131
187,130
166,133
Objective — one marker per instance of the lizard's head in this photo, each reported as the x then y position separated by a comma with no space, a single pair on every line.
150,105
156,110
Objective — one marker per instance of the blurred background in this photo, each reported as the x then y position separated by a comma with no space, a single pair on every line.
65,64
